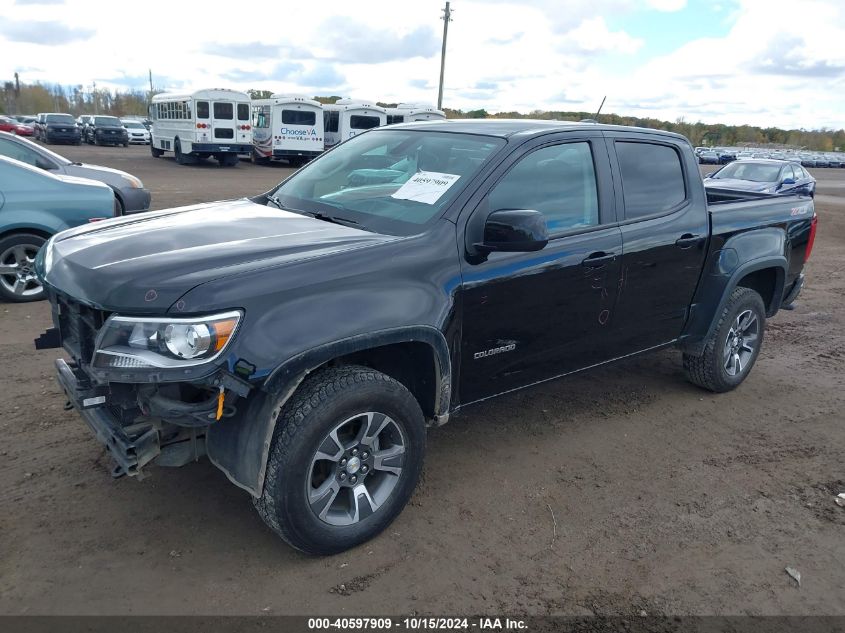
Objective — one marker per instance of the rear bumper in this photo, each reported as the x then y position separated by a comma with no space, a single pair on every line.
130,450
289,153
793,293
221,148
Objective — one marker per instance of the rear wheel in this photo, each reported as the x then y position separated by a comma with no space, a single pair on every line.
228,160
18,282
732,350
177,150
346,455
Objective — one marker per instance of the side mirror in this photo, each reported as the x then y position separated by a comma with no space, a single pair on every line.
710,175
788,181
43,163
514,231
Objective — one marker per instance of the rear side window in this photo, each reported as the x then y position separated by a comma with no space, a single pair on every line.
243,112
298,117
360,122
18,152
331,120
223,111
652,178
202,109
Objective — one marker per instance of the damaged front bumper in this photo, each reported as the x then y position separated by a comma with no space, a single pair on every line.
143,425
131,447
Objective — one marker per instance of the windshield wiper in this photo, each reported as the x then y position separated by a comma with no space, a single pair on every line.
330,218
334,219
276,202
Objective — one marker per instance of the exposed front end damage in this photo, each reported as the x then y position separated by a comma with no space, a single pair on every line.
137,424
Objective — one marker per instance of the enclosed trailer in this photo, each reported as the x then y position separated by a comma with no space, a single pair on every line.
288,127
346,118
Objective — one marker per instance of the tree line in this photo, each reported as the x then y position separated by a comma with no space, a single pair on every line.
76,100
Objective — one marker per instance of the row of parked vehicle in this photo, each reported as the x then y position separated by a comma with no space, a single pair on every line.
60,127
724,155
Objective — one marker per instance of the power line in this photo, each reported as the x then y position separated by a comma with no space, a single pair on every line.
447,17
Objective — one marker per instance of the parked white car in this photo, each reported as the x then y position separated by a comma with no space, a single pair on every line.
137,132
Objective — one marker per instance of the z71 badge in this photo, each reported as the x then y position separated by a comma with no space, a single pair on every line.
496,350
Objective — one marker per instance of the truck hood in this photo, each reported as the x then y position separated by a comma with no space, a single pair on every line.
143,264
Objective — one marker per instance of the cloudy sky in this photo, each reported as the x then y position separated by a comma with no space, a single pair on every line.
763,62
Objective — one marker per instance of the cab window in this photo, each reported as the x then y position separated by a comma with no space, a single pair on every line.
558,181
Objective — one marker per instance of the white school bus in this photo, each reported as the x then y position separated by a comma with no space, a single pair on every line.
201,124
288,127
346,118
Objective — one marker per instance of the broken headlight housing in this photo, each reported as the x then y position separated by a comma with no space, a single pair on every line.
152,342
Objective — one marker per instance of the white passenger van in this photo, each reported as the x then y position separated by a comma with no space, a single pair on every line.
201,124
346,118
287,126
406,112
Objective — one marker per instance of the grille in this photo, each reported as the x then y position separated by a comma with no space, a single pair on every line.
78,325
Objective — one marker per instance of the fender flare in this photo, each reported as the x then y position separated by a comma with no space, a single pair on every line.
241,446
694,339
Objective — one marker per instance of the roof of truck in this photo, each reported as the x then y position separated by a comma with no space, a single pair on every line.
505,128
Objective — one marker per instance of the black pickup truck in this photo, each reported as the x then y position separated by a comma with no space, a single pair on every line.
302,339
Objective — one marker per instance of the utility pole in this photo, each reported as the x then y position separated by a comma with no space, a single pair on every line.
96,100
17,91
447,17
151,84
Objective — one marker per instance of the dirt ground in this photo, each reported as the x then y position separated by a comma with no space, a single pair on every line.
621,490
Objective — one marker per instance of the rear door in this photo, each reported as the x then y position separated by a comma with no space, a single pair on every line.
665,229
223,121
528,317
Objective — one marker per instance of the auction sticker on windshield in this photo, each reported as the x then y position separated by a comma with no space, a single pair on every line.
426,187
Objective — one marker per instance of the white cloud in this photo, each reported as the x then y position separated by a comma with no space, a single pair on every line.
593,35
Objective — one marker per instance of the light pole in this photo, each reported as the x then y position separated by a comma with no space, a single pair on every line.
447,17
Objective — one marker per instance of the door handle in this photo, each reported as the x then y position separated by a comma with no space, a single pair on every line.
687,240
598,259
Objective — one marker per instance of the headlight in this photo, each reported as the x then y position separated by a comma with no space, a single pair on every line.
139,343
135,183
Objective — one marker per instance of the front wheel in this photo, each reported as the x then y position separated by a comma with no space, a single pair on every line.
18,282
156,152
346,455
732,350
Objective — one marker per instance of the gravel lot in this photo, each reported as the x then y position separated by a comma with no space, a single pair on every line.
666,498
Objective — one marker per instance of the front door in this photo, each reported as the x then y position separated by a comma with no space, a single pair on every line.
528,317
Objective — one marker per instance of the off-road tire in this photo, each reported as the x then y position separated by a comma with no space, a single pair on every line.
707,370
322,401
